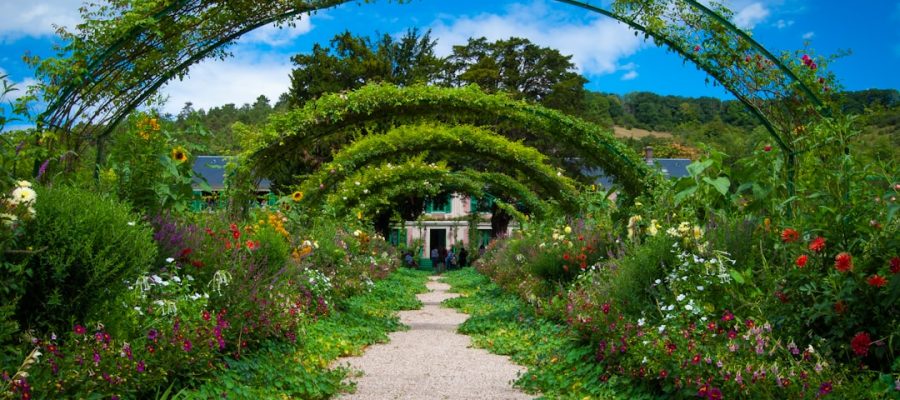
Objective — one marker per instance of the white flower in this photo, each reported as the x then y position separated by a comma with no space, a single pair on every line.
8,219
176,279
641,322
131,223
156,278
195,296
356,183
357,232
700,288
689,307
365,191
23,195
657,281
170,260
662,328
680,297
23,184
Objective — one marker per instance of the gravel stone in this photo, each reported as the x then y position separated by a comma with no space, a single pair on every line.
432,361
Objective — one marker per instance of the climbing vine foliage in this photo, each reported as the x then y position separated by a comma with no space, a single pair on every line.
375,188
461,141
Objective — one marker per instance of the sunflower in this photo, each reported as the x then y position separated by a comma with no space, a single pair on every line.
297,196
179,154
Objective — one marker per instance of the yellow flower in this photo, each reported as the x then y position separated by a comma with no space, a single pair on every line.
568,230
179,154
297,196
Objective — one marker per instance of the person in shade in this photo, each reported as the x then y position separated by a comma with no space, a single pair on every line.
435,259
463,257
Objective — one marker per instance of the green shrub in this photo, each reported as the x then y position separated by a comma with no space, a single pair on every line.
85,247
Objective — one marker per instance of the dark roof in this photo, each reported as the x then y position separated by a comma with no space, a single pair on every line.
212,168
670,167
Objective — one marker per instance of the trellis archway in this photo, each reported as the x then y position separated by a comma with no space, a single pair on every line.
379,185
126,52
377,107
462,141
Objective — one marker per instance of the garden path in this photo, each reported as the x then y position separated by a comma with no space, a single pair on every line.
432,361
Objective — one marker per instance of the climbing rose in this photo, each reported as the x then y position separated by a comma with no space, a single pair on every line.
843,262
861,343
789,235
801,261
818,244
876,281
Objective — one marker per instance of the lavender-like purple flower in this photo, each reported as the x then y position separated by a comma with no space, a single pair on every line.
43,168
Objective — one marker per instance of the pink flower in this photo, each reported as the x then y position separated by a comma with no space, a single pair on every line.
79,330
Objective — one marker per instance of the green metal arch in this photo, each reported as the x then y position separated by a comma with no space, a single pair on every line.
388,105
427,179
461,141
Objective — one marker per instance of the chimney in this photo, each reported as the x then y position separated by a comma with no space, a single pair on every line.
648,155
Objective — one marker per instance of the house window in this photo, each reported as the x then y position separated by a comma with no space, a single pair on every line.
397,237
484,237
482,205
439,204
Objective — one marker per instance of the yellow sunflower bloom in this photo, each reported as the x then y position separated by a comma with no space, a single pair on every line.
179,154
297,196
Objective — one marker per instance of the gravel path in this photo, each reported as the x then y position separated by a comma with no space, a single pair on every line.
432,361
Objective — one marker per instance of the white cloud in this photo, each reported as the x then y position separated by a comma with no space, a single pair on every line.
809,35
781,24
749,16
629,75
240,79
276,36
595,43
36,17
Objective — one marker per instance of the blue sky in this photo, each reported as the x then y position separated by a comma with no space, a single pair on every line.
606,52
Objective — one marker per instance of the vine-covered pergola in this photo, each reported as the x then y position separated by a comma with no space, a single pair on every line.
378,107
375,188
126,50
462,141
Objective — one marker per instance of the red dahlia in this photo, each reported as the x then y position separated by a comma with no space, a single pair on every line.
789,235
843,262
818,244
877,281
860,344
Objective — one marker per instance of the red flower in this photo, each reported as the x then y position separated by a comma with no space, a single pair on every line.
696,48
79,330
663,374
197,263
696,359
840,307
860,344
876,280
185,252
566,256
727,316
843,262
768,148
789,235
206,315
818,244
895,265
801,261
251,245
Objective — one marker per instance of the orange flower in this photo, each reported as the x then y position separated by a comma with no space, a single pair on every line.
818,244
789,235
843,262
876,281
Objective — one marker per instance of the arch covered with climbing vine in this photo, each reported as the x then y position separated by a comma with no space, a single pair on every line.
124,52
378,107
374,188
459,141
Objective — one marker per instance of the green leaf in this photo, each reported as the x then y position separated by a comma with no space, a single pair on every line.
697,167
737,276
721,184
684,194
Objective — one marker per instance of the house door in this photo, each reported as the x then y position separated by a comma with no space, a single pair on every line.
437,239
